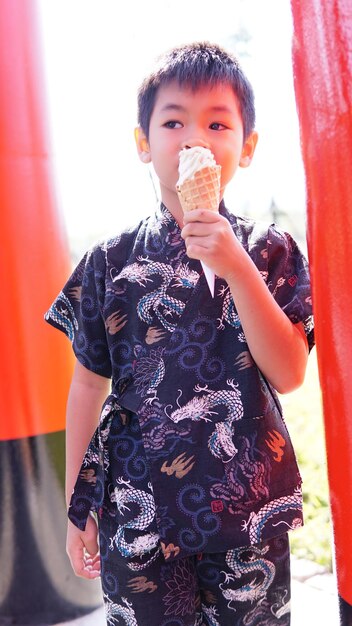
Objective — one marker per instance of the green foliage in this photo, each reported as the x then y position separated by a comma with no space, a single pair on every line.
303,415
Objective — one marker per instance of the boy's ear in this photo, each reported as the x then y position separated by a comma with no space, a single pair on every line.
142,145
248,149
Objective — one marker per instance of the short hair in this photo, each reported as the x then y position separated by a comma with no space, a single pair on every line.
195,65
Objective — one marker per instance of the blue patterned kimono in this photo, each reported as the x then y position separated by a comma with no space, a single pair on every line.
192,453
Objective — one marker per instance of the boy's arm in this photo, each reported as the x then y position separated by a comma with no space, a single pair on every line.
278,346
87,394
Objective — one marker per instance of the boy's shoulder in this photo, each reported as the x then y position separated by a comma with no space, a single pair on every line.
262,235
121,240
251,223
120,248
250,231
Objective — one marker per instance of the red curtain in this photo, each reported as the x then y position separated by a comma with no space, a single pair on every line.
322,58
35,364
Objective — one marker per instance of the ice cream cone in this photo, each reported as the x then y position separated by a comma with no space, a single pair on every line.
198,187
202,191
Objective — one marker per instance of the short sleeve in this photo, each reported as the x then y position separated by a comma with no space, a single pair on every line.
77,311
288,279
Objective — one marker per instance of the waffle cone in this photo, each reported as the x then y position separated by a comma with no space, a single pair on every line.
202,191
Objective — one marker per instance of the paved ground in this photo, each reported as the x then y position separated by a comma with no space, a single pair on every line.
314,599
314,595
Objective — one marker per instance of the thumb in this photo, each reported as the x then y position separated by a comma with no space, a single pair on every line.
90,536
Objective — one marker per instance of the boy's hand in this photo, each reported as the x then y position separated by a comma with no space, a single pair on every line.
82,549
210,238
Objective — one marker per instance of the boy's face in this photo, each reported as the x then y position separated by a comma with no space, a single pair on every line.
208,117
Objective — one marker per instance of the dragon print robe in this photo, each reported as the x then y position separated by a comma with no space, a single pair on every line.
211,465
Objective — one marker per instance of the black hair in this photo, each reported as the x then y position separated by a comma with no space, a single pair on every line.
195,65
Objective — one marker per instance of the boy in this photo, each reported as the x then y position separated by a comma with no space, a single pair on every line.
191,471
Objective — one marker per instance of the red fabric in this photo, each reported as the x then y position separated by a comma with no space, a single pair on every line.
35,364
322,57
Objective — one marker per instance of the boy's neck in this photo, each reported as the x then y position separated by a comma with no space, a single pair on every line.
172,203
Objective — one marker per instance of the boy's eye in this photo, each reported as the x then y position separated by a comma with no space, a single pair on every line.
217,126
173,124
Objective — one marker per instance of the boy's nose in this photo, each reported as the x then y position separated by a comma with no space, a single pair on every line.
196,141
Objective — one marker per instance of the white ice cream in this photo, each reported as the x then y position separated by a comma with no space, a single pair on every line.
192,160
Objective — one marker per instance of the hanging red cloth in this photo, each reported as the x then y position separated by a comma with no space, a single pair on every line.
322,57
35,366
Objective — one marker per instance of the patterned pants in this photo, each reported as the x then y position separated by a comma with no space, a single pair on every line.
247,586
242,587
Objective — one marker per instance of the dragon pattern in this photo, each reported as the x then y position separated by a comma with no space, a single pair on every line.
142,544
211,614
220,442
257,521
255,562
255,476
149,373
228,313
64,315
126,296
113,611
158,301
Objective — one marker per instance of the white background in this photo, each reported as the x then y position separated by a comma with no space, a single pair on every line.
96,52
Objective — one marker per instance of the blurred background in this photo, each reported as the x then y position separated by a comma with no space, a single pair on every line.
96,53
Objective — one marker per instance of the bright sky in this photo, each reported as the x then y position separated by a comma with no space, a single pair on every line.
97,51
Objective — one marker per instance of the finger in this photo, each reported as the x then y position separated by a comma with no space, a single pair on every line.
198,251
85,568
90,536
91,545
78,563
197,229
92,566
201,215
205,243
94,562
